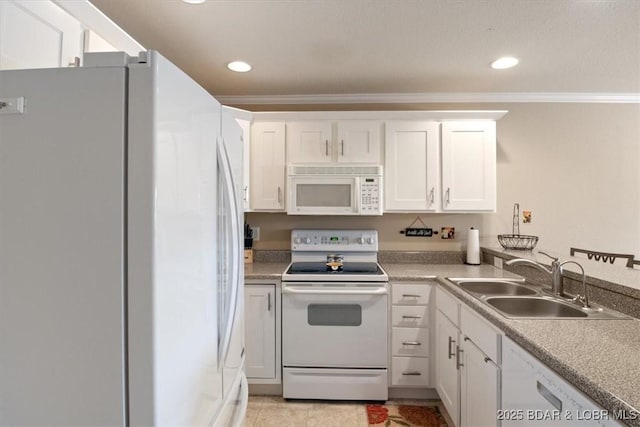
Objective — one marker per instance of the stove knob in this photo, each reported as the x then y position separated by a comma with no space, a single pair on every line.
361,240
370,240
306,240
297,240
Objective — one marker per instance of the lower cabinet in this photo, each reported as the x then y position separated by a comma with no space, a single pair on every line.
480,382
410,361
467,363
447,376
262,326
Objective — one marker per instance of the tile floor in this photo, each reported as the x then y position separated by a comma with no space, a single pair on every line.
264,411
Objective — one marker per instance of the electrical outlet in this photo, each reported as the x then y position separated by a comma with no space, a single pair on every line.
256,233
497,262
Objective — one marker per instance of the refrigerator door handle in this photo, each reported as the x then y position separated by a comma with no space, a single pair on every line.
235,241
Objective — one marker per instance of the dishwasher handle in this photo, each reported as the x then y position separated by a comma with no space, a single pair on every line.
549,396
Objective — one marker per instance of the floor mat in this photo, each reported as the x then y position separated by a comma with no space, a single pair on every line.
404,415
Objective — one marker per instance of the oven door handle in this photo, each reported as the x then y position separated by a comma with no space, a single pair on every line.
308,290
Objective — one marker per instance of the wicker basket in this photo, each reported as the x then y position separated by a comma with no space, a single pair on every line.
517,241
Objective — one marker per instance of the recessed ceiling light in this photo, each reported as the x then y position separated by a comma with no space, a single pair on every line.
239,66
194,1
504,62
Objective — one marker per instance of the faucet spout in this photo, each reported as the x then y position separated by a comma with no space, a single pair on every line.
528,262
555,272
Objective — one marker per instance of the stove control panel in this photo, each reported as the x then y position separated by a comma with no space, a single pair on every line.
334,240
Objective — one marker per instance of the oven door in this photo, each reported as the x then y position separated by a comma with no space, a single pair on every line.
322,195
341,325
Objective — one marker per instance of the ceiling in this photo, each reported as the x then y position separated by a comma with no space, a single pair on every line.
349,47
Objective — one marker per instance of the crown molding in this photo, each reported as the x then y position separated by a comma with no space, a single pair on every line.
435,97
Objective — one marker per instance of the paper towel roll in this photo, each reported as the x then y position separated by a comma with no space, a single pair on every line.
473,246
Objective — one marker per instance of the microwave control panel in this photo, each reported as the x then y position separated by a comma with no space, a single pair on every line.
371,200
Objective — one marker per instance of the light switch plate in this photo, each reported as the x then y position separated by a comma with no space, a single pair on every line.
256,233
497,262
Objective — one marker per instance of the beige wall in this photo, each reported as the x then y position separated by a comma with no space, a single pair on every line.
575,166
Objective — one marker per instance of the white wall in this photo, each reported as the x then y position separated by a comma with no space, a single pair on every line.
575,166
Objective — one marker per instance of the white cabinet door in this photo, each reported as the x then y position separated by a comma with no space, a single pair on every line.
447,373
480,398
260,331
245,125
37,34
358,142
469,166
268,166
309,142
412,166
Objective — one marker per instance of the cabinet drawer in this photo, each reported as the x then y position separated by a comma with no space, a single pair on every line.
448,305
410,294
410,371
410,342
408,316
481,332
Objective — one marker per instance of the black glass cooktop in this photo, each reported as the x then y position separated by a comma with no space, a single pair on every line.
322,268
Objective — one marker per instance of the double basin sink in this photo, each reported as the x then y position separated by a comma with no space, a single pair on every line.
514,298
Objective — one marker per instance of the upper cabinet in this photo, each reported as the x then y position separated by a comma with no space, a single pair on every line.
51,34
469,166
38,34
268,173
358,142
412,158
349,141
309,142
433,161
436,167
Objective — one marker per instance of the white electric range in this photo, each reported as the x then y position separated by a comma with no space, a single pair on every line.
335,317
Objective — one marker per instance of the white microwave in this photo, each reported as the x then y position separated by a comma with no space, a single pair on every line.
334,190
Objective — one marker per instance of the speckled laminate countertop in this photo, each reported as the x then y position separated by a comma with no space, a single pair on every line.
599,357
264,270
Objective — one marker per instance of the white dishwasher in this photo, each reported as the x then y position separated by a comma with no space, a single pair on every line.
534,395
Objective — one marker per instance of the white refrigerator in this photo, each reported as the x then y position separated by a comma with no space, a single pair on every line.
120,248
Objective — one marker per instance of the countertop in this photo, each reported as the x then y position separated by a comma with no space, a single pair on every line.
599,357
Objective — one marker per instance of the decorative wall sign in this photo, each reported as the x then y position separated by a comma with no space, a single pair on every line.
418,232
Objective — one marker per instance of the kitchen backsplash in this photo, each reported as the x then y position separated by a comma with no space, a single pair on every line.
275,229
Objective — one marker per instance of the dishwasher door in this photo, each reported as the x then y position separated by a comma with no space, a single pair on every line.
533,394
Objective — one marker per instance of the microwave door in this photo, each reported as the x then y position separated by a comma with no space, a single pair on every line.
323,196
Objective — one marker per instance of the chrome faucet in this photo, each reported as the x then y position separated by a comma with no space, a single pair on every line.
557,285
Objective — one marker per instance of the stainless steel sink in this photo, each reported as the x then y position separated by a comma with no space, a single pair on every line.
535,307
514,298
493,287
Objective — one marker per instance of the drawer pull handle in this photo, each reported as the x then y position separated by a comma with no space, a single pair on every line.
416,373
549,396
411,343
412,317
410,296
450,352
487,360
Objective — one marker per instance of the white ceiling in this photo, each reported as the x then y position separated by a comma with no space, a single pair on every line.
316,47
